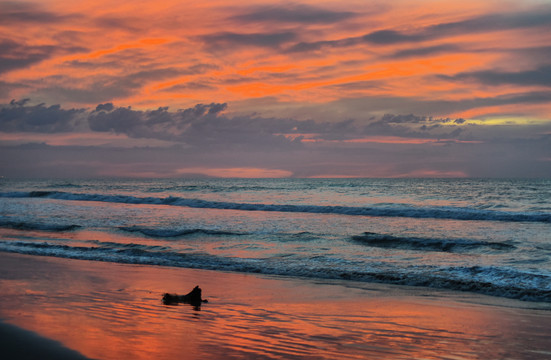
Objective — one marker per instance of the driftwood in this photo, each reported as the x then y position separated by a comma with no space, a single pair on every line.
193,298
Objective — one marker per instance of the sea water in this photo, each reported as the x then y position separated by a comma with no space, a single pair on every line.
480,235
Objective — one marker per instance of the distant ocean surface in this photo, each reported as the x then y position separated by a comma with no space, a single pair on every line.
485,236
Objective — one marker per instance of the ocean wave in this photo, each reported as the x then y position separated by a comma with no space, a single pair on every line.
387,210
163,233
176,233
429,244
36,226
65,185
114,245
495,281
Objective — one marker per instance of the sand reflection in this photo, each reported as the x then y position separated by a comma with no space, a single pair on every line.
110,311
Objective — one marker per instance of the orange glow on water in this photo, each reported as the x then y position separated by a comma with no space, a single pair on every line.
110,311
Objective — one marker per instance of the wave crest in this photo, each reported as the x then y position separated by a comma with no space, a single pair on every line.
164,233
35,226
429,244
393,210
503,282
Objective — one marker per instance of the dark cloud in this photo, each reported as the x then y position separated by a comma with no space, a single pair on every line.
387,37
424,51
415,126
190,86
416,119
205,126
15,55
537,18
486,23
160,123
481,24
205,137
23,12
380,37
199,69
93,64
355,107
539,54
107,87
105,107
17,116
125,23
294,13
358,85
231,39
319,45
540,76
119,120
400,119
18,56
202,126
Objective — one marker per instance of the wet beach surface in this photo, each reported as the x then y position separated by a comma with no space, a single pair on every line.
114,311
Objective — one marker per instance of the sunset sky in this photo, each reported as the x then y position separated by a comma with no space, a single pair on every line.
404,88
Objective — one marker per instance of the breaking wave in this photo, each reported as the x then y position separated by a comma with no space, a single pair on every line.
394,210
428,244
490,280
35,226
164,233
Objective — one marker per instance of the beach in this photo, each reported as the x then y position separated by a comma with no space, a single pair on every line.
341,180
106,310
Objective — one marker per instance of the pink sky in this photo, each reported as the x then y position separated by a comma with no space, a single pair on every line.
275,89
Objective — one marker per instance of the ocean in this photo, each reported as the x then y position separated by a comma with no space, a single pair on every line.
484,236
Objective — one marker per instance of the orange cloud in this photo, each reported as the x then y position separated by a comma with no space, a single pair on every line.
85,45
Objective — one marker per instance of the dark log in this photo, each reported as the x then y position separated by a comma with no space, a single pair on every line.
193,298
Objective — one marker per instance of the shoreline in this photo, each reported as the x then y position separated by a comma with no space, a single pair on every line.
109,311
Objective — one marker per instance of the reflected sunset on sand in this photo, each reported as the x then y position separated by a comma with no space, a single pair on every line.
111,311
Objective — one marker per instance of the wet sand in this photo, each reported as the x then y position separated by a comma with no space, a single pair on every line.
114,311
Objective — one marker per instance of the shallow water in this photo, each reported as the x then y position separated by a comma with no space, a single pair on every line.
114,311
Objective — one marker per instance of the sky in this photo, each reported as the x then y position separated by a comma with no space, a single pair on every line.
404,88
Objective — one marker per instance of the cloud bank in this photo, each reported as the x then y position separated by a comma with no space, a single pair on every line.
204,140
